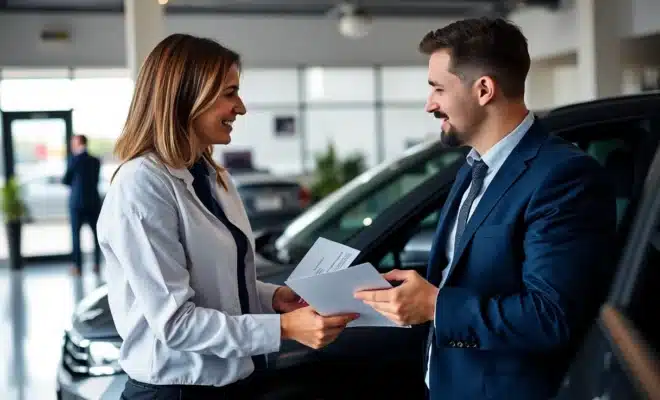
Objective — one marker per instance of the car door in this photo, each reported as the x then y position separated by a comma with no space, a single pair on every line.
362,358
619,358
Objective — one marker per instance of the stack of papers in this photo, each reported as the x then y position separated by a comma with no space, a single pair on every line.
325,281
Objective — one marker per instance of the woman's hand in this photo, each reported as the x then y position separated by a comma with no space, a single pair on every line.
307,327
286,300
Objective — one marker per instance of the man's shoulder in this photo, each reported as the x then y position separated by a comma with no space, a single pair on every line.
559,154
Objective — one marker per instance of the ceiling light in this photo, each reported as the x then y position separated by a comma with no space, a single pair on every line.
353,22
162,2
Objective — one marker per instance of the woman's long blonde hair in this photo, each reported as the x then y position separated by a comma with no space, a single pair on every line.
178,81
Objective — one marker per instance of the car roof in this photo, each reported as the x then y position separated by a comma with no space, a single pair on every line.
593,112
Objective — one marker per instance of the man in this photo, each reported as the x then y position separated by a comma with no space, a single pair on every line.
519,262
82,175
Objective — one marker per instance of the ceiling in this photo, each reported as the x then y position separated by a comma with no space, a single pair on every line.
377,8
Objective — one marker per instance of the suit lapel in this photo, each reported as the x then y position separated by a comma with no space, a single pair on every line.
514,166
231,209
449,211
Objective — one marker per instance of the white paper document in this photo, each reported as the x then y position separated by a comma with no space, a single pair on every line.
325,281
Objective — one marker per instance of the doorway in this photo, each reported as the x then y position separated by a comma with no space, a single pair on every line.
35,153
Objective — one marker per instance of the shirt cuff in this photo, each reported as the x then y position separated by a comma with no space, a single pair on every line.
266,291
271,327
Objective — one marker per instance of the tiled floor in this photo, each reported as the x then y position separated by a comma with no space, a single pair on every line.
35,307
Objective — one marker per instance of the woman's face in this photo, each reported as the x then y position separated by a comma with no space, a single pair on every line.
214,125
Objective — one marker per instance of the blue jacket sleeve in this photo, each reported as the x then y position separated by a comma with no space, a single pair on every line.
570,224
72,164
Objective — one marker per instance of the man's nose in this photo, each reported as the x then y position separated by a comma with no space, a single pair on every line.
430,106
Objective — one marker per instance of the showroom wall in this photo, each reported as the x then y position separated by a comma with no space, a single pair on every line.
98,39
293,113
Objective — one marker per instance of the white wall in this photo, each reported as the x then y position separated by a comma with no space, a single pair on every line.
98,39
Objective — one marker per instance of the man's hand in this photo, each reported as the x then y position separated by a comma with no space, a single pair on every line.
286,300
410,303
306,326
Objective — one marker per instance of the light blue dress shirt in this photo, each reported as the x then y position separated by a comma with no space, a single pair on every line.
494,159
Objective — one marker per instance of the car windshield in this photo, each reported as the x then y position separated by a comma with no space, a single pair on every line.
355,205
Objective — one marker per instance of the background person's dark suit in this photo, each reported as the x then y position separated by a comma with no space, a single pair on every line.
528,273
82,175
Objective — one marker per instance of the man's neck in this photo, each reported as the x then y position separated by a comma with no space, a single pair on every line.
499,125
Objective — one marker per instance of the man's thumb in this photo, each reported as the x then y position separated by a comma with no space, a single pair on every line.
397,275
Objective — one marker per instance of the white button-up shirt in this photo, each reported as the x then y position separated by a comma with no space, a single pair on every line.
172,279
494,159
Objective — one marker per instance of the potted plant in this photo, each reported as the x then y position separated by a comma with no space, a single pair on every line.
14,211
332,172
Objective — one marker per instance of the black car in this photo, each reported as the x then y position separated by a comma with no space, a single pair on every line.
622,133
270,201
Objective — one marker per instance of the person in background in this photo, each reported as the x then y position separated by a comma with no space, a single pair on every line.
519,264
182,286
82,175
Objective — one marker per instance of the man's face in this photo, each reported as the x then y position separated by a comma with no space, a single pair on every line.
452,101
76,145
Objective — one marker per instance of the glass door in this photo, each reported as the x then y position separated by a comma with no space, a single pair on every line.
36,149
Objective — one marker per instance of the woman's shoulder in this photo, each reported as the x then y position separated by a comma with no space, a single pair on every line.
140,182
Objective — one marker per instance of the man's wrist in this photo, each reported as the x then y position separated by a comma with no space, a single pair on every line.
433,299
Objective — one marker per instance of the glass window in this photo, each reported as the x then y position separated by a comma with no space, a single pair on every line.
405,127
100,107
625,149
350,130
328,85
356,205
405,84
33,94
257,132
269,87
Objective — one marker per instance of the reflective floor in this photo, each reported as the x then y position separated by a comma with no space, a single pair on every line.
35,307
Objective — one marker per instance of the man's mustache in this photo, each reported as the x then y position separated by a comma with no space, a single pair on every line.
440,115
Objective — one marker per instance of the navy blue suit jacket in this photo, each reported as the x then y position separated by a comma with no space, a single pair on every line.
530,272
82,174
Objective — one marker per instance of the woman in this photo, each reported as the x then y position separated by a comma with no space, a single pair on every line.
182,285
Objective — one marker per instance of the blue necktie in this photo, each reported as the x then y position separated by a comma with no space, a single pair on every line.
479,171
202,188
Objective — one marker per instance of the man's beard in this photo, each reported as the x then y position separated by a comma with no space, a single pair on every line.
452,138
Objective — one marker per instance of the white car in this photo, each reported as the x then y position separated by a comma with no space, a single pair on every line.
47,198
270,201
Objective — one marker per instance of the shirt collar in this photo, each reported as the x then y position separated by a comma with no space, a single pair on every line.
199,168
497,154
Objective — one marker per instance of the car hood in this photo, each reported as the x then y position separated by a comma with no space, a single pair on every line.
92,318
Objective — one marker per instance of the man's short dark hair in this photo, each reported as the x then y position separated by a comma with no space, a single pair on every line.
486,46
83,139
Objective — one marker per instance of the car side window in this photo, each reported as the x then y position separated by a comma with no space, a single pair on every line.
362,214
625,149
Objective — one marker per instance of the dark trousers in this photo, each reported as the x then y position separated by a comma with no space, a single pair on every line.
135,390
80,216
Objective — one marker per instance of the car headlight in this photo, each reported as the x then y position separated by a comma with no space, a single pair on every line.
103,358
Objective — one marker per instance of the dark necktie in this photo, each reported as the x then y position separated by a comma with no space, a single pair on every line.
202,188
479,170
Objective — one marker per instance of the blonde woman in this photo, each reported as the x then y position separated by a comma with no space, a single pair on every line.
195,321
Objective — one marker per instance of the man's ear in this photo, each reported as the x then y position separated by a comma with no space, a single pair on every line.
484,87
